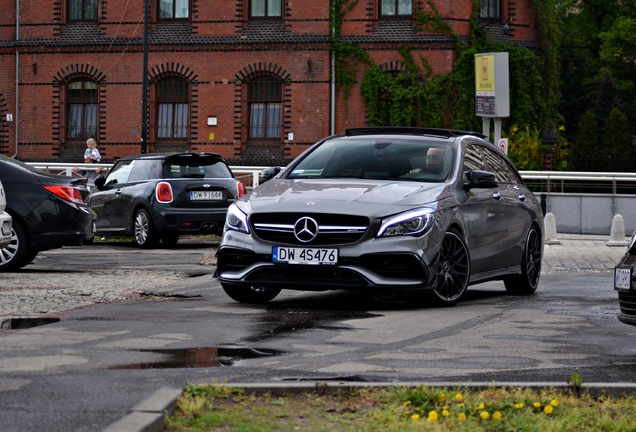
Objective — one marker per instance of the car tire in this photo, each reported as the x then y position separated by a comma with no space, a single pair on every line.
244,293
528,281
17,252
453,271
170,239
146,235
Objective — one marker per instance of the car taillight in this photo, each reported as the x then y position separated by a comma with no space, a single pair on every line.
240,190
67,193
163,192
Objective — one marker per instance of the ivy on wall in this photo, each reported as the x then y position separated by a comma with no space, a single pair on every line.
415,97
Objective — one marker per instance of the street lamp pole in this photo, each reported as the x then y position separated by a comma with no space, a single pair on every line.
144,91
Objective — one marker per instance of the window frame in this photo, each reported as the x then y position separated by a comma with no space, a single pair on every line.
266,15
174,6
179,120
269,102
397,14
84,9
86,129
490,9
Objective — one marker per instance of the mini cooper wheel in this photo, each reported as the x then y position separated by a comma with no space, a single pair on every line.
453,271
145,232
528,281
244,293
17,252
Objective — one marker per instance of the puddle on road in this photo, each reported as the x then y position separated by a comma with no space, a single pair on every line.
25,323
198,357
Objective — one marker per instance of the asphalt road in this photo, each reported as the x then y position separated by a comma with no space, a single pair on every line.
171,325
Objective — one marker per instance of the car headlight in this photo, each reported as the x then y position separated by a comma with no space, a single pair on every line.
236,220
414,222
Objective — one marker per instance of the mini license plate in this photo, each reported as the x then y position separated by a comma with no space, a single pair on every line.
311,256
622,278
206,195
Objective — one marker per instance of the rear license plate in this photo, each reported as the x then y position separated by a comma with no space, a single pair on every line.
206,195
622,278
311,256
6,228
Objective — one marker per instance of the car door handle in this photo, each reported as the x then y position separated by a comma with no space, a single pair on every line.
118,192
496,195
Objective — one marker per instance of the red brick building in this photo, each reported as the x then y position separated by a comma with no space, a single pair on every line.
250,79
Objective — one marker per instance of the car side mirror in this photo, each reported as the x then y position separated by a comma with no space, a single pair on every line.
100,180
268,174
481,179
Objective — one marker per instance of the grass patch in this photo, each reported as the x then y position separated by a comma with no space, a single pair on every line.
404,409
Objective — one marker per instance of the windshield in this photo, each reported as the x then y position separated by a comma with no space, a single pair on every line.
386,158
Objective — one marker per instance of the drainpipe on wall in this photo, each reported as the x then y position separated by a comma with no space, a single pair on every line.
17,74
332,108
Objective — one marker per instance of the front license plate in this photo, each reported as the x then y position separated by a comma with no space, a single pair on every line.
311,256
6,228
622,278
206,195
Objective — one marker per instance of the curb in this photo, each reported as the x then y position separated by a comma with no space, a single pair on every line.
148,415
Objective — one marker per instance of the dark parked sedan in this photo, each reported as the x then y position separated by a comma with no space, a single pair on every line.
625,284
155,197
48,212
394,209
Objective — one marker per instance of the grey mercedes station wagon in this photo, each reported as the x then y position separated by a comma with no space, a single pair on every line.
418,210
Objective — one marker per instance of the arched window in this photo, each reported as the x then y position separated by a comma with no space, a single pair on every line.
396,8
82,10
82,109
174,9
265,108
172,108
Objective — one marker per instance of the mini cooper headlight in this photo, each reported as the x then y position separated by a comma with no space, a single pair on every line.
413,222
236,220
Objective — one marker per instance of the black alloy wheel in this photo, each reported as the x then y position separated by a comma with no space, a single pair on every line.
245,293
453,271
528,281
145,232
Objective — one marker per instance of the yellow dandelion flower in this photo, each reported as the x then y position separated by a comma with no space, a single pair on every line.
415,417
481,406
496,415
461,405
548,409
554,403
442,397
432,416
484,415
461,417
445,413
407,403
519,405
537,404
459,397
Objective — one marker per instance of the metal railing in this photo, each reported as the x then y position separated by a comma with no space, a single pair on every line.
540,181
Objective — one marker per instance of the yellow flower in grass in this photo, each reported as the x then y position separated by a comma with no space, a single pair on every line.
554,403
432,416
459,397
484,415
519,405
496,415
442,398
548,409
407,403
461,417
415,417
537,404
481,406
445,413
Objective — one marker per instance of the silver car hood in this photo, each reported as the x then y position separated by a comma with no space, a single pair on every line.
346,196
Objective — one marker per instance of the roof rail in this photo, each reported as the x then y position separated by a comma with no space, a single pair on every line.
400,130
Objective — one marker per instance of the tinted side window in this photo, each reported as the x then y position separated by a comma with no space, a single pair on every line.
143,170
120,173
500,167
473,158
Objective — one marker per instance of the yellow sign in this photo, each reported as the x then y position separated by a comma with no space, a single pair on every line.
485,73
211,136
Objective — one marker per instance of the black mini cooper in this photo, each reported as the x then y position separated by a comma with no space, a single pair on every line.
158,197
